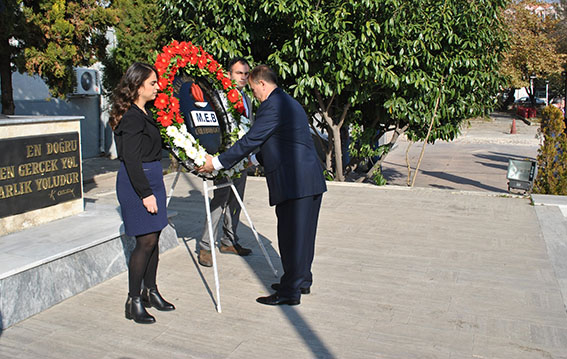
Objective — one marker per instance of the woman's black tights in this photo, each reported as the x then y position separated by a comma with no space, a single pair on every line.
143,263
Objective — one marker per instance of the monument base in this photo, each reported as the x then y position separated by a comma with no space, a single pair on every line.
43,265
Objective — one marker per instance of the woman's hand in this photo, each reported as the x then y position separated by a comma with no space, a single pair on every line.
150,203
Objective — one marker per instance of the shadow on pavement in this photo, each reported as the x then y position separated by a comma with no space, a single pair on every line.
493,165
461,180
500,157
391,174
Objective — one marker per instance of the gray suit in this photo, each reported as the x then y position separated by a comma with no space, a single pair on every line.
224,204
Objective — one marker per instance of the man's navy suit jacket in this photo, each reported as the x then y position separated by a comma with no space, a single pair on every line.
288,155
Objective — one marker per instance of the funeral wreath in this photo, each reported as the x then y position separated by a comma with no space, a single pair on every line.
185,58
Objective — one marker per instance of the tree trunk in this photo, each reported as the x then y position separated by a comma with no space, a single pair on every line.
338,153
335,133
8,107
331,141
427,136
408,164
531,95
329,157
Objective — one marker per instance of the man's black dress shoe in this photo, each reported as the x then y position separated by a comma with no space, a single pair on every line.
275,299
276,286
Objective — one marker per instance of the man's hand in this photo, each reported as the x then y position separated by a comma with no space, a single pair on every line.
208,166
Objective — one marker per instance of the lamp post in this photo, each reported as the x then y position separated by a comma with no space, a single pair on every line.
546,92
532,77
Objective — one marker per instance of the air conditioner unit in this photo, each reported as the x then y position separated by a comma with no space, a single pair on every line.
86,82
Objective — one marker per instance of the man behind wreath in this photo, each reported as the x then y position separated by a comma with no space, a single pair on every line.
224,203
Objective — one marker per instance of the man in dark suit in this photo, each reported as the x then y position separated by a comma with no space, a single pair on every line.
294,176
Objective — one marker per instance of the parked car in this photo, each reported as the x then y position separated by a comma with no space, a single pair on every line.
525,101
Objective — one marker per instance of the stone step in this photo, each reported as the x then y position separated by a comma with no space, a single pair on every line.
46,264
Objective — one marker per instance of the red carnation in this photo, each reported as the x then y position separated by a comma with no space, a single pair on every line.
233,95
202,62
226,83
220,75
182,61
184,46
239,106
174,104
193,59
162,62
167,50
213,66
161,101
162,83
165,118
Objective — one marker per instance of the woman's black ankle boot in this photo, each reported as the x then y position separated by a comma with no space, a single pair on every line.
152,298
136,311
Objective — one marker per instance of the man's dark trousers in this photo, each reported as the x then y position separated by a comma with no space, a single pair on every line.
297,229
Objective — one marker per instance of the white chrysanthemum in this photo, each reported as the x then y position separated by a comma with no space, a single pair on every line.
171,131
192,152
183,129
229,172
241,133
187,144
178,140
191,138
200,158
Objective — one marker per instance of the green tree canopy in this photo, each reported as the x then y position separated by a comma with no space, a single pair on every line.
139,33
222,27
378,65
561,28
49,38
534,50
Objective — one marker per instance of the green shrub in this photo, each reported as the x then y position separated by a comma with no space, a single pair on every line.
378,178
552,155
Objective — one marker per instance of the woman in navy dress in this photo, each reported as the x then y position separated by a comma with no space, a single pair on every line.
139,186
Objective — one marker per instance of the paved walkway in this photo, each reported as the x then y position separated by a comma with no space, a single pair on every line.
476,161
399,273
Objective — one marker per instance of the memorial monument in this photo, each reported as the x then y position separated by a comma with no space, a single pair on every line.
40,170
